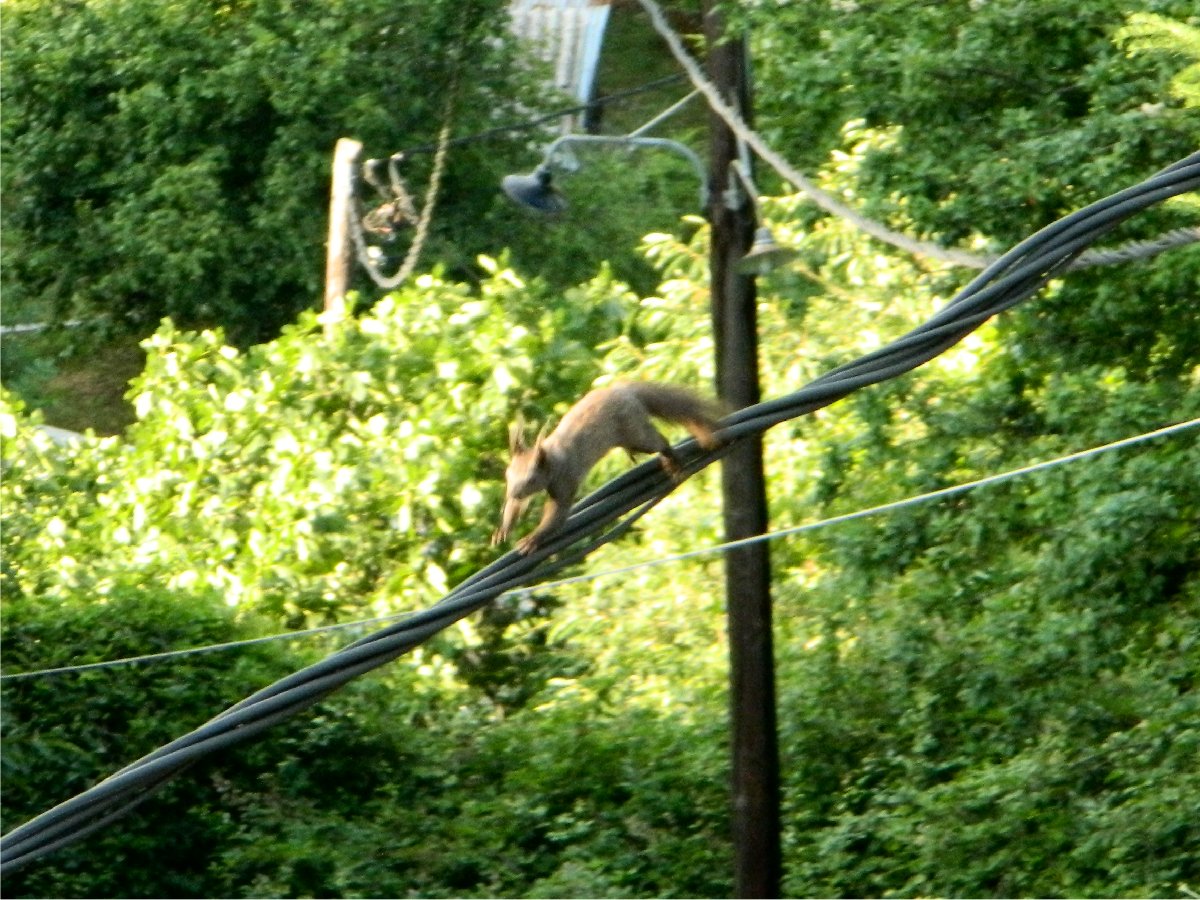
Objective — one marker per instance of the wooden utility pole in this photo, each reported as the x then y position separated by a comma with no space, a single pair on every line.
756,830
339,256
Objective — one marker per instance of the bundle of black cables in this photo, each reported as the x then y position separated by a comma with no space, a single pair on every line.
597,519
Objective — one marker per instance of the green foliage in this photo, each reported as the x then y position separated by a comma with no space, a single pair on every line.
993,694
63,733
317,476
173,158
1151,33
324,476
570,801
1009,114
977,693
1010,671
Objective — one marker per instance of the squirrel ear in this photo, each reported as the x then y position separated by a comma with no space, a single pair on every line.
539,440
516,435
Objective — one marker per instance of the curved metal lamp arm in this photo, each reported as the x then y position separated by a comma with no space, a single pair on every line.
558,144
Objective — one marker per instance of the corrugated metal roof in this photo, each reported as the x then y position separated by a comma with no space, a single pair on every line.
567,33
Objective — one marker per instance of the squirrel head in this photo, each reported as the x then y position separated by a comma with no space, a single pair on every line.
527,473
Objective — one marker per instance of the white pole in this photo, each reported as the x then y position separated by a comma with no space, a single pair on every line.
339,260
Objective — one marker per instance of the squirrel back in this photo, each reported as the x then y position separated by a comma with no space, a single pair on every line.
605,418
680,405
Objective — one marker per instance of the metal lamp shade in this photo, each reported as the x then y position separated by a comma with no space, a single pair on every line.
534,191
764,255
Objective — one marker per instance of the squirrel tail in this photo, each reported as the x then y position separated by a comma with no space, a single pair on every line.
697,414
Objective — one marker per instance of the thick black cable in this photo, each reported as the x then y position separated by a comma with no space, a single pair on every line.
598,519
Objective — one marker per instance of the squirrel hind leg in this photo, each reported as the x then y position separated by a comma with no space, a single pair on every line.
704,432
644,438
648,439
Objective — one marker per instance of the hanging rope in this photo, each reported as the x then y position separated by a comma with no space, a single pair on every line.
401,201
420,233
832,205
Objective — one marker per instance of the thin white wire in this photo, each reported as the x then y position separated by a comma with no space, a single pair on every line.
207,648
832,205
658,561
26,327
882,508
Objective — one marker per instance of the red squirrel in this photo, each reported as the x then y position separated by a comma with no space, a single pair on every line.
617,416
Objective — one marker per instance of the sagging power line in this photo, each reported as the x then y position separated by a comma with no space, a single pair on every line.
597,519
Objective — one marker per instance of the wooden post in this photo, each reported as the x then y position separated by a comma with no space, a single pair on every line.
756,828
339,258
